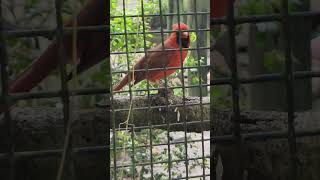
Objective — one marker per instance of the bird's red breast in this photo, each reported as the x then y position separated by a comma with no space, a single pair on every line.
175,56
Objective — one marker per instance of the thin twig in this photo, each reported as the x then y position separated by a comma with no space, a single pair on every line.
75,84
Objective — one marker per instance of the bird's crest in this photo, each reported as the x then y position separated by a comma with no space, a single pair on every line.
182,27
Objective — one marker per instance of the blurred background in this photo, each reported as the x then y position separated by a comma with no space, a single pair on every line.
259,51
32,14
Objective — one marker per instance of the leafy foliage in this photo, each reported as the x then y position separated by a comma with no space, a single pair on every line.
141,153
134,26
274,61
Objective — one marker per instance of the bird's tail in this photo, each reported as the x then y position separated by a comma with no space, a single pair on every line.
122,83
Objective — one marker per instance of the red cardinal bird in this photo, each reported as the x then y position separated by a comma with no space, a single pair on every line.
161,59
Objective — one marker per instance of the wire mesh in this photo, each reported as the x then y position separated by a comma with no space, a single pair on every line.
7,99
169,162
289,76
11,156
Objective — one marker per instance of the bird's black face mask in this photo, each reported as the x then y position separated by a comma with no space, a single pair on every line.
184,40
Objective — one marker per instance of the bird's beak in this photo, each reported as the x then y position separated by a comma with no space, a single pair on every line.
185,34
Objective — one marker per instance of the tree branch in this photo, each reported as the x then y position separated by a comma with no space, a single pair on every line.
42,118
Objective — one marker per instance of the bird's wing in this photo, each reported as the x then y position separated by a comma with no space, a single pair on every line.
160,58
155,58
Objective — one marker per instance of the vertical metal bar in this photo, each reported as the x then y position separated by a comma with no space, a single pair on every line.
148,84
235,87
112,110
200,88
290,91
127,57
212,126
114,139
109,97
6,99
114,132
133,166
67,153
212,135
151,150
126,45
166,89
183,95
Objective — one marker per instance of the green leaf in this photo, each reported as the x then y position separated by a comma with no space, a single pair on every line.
193,36
273,61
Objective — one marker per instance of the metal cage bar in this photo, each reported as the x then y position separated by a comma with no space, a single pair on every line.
265,18
66,159
183,95
200,73
235,87
64,93
184,87
288,77
166,88
11,156
143,15
289,90
6,100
